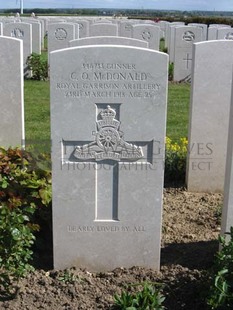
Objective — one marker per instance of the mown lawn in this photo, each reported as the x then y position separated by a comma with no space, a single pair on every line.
37,114
178,110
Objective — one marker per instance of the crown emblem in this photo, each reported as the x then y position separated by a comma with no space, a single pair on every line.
108,119
108,114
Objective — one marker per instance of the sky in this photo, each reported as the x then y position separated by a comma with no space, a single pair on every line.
184,5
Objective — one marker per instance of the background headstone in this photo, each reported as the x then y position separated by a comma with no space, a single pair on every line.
36,36
148,33
59,35
22,31
204,28
185,36
83,28
213,29
101,29
11,90
169,37
126,29
209,115
227,212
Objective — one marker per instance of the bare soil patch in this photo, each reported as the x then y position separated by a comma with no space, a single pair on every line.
191,225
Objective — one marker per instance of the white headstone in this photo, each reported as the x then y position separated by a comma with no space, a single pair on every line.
59,35
107,155
101,29
83,28
169,37
162,24
204,28
11,90
209,115
22,31
148,33
126,29
185,36
36,35
227,212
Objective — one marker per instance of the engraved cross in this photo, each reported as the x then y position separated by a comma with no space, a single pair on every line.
110,152
187,59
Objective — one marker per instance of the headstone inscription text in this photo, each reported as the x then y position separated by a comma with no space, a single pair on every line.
104,80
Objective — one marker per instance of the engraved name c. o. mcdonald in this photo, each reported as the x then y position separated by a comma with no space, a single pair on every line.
109,142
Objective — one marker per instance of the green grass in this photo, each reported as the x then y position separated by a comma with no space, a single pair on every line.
162,45
178,110
37,113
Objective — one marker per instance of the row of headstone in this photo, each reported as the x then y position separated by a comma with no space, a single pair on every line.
106,155
37,31
179,47
105,161
180,38
219,32
29,31
59,34
210,149
213,32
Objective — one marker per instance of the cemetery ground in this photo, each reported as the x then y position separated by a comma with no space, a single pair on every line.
191,225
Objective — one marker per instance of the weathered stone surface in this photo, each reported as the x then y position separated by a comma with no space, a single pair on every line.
108,116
